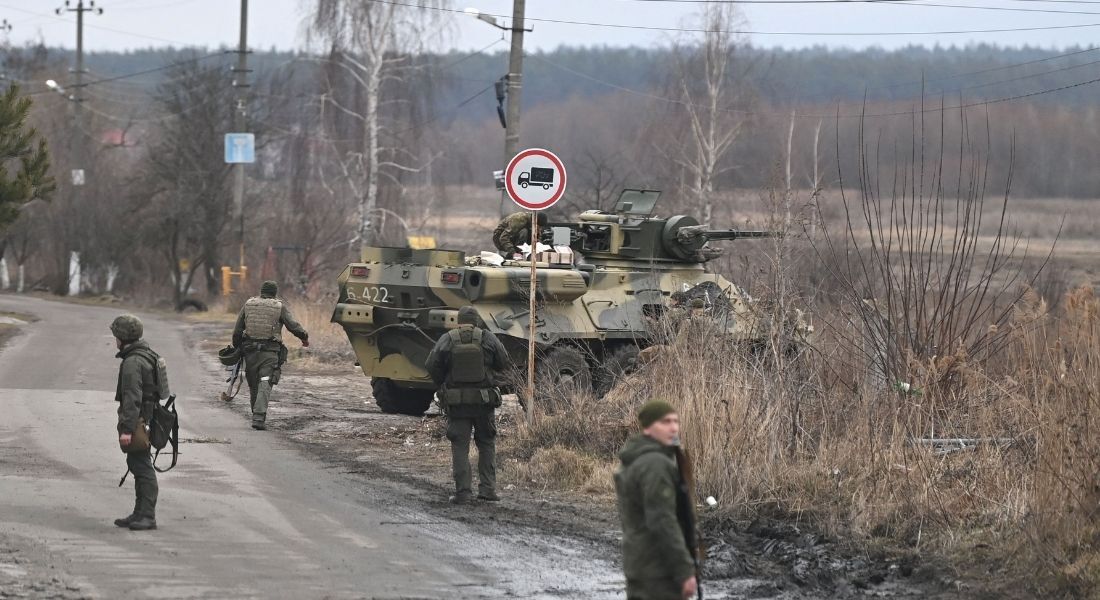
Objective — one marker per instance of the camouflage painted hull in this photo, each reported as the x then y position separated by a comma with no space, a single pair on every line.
396,302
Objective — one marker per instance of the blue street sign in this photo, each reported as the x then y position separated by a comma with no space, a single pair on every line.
240,148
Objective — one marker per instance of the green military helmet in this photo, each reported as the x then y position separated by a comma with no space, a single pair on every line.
698,303
127,328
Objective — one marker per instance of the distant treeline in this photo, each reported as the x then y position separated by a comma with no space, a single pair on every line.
779,76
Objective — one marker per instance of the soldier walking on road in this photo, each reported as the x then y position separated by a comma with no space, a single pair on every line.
136,395
464,364
657,560
259,335
513,230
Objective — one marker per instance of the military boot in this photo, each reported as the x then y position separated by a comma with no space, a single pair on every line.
259,421
124,522
461,498
143,524
488,496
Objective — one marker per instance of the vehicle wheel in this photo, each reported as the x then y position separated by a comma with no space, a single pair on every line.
561,373
617,363
394,399
523,184
546,186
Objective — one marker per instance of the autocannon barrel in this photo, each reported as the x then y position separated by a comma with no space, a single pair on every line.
694,234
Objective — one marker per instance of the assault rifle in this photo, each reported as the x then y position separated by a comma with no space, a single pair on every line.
234,378
685,513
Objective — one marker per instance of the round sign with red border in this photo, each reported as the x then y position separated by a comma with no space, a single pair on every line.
535,179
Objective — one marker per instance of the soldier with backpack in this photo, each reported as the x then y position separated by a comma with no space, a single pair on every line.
259,335
464,364
138,395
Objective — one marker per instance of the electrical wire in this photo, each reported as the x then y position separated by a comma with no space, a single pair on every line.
760,32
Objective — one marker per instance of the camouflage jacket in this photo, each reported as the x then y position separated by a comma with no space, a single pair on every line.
654,544
506,235
137,387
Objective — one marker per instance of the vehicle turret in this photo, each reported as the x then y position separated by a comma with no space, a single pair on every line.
632,233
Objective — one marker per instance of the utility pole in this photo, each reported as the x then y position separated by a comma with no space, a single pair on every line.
78,147
240,123
515,91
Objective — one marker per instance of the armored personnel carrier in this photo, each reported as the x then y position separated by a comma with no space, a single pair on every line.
594,314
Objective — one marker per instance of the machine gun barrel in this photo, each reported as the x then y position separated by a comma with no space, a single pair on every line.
696,234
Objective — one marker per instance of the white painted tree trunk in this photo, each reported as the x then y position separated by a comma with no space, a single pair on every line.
5,278
21,278
112,275
74,274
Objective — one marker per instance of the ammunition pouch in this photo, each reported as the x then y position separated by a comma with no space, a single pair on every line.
471,396
139,440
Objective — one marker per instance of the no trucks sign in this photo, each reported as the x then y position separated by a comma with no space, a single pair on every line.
535,179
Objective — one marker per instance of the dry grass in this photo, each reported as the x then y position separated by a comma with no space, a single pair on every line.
807,442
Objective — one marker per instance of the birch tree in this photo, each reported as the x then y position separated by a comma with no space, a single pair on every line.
370,46
706,82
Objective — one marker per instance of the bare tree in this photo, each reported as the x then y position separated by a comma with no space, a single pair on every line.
370,47
706,81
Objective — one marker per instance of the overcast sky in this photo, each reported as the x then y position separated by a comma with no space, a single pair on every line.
130,24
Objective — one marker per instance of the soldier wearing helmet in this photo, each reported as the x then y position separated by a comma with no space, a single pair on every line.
259,335
466,363
136,395
513,230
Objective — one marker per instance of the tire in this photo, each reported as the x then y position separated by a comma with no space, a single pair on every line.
563,371
523,184
394,399
546,186
618,363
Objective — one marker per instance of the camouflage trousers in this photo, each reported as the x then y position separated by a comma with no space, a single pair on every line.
145,483
261,372
482,423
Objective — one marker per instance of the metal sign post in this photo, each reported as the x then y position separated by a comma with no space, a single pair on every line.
535,180
531,321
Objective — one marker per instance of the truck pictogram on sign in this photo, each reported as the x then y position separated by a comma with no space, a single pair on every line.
537,176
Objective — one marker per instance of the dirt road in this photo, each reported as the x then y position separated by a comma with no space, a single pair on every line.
245,515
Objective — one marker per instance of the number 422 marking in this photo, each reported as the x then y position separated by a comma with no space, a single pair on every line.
376,294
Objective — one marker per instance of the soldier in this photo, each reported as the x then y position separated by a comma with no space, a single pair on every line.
259,335
464,363
513,230
656,558
136,395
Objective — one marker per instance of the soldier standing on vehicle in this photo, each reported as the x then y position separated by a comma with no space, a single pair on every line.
259,335
513,230
464,364
136,395
657,560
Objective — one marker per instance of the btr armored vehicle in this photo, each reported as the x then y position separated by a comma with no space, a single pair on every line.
594,314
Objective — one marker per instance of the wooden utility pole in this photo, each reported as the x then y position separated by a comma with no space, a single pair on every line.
78,140
515,89
240,123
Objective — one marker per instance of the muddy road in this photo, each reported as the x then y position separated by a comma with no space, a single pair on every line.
335,500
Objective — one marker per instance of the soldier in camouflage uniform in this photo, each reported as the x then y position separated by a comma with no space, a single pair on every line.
464,364
656,559
259,335
136,395
513,230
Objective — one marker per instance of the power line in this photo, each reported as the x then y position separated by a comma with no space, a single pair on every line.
762,32
139,73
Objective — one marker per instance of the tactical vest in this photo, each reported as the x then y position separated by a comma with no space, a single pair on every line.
468,380
263,319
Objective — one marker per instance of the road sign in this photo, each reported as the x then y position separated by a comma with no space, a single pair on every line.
78,176
535,179
240,148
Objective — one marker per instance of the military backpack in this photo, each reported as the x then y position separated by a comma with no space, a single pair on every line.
164,420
